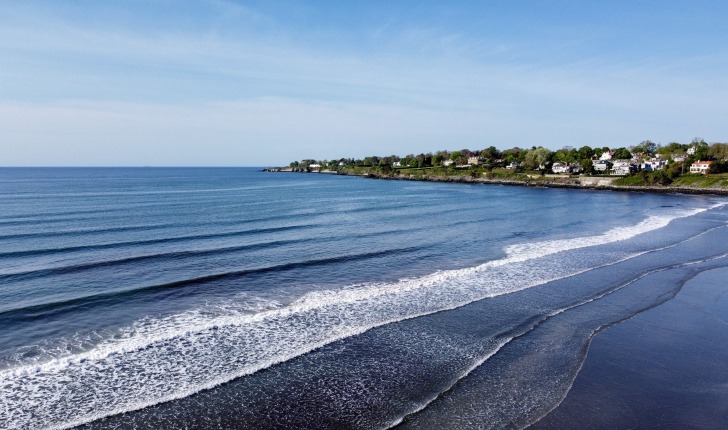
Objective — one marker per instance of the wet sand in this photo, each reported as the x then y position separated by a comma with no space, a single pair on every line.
664,368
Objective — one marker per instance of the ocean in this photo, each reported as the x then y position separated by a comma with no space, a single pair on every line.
234,298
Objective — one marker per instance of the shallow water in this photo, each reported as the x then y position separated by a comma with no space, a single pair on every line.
242,299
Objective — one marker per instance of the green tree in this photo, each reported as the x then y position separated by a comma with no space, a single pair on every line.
672,148
718,167
566,154
701,149
622,154
437,159
490,153
718,151
538,158
645,147
585,152
586,164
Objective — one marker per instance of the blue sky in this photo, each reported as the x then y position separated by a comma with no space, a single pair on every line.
216,82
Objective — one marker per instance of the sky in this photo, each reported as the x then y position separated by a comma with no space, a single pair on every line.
263,83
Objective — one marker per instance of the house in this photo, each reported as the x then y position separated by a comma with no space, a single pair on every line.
397,164
513,165
691,150
652,165
576,168
700,167
601,165
560,168
623,167
606,155
448,163
473,161
679,158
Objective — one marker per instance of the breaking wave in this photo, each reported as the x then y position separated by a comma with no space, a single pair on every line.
160,359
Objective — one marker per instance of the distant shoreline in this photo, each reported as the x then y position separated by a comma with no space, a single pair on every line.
546,182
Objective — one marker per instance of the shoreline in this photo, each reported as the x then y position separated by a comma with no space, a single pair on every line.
660,368
546,182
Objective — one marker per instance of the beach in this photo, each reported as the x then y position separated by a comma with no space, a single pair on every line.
663,368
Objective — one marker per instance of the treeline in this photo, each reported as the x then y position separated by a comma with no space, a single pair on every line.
540,158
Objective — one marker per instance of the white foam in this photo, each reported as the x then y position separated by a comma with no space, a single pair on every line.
161,359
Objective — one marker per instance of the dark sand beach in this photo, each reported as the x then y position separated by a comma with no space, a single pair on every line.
664,368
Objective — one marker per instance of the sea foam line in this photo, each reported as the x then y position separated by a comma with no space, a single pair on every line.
481,360
158,360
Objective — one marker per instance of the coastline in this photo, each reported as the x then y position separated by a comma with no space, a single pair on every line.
541,182
661,368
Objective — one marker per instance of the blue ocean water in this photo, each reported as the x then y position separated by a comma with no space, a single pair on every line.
234,298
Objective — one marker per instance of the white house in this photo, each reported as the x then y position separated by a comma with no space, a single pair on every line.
473,160
607,155
601,165
623,167
513,165
397,164
700,167
560,168
448,163
679,158
653,164
691,150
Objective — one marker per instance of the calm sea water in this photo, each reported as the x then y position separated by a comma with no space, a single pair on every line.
232,298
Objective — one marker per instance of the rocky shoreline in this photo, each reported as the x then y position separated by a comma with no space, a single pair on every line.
573,183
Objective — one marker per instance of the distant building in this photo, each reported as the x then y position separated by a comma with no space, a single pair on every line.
700,167
607,155
623,167
679,158
560,168
473,161
448,163
513,165
601,165
691,150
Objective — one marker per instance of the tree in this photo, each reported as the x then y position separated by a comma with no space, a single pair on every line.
566,154
718,167
514,154
622,154
490,153
719,151
537,158
585,152
646,147
672,148
701,149
458,157
586,164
